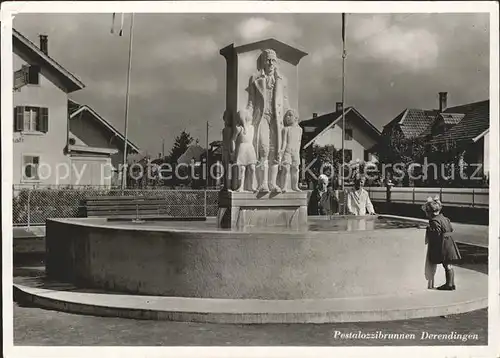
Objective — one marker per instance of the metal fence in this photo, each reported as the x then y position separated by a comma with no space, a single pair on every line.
461,197
34,206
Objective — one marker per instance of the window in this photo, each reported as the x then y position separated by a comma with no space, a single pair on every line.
366,156
33,75
347,155
348,134
31,119
30,167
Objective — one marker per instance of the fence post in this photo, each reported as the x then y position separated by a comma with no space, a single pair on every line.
473,197
205,209
413,196
29,208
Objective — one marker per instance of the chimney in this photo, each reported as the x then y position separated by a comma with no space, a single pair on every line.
338,107
315,115
44,45
443,99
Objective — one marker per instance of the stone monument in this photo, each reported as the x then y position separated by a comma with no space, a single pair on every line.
264,150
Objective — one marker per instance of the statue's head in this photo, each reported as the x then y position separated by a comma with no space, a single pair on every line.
268,61
291,117
244,116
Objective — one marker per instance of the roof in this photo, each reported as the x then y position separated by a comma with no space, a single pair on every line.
74,108
418,122
29,52
95,150
413,122
451,118
472,127
283,51
326,121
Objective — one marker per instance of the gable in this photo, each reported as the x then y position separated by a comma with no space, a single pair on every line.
49,68
89,132
86,122
362,129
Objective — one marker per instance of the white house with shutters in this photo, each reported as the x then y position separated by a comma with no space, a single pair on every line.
46,151
325,130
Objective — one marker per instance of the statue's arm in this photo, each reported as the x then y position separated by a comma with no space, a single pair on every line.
236,132
284,139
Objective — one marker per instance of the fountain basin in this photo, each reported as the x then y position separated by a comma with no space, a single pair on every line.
338,258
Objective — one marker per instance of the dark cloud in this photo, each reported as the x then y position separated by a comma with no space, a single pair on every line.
178,76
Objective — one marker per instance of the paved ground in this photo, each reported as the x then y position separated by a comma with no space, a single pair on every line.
34,326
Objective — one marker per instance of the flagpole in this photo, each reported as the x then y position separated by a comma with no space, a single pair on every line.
127,101
206,172
343,106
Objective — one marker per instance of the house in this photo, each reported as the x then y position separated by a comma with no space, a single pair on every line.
91,134
360,134
469,135
465,127
47,149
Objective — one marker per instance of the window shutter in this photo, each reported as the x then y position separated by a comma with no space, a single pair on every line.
18,119
44,119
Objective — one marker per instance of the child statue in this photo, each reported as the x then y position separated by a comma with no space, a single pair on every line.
290,149
244,151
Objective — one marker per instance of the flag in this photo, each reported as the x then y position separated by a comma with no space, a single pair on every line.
120,33
343,27
113,23
121,26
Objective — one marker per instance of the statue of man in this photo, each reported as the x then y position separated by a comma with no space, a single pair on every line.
267,100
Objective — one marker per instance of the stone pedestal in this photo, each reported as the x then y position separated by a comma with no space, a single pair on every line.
246,210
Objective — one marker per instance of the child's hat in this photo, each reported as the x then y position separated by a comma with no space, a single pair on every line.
432,205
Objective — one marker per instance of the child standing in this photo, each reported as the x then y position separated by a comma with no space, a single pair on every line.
242,146
441,248
290,149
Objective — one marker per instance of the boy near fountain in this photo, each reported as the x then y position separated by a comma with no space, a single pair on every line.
242,146
290,149
441,248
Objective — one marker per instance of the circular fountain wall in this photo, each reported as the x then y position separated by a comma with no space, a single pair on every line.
331,259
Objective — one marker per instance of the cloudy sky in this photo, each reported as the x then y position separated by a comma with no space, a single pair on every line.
178,76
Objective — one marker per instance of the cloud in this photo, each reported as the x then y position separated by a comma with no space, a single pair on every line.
258,28
254,28
411,48
186,47
324,53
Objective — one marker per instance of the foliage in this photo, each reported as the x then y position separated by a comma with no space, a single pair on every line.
181,144
321,160
395,148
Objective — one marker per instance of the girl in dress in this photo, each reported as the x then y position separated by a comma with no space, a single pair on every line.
441,248
242,146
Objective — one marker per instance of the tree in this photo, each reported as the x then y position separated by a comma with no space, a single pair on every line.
395,149
322,159
181,144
